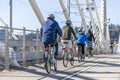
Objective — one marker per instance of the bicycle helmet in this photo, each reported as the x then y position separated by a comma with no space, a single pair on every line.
51,16
80,29
89,30
68,22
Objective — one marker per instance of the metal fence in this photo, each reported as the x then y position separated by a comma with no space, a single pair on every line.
22,45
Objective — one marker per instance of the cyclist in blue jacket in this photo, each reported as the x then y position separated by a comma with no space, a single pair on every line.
81,39
49,31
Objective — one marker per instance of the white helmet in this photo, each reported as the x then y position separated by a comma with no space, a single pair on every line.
80,29
51,16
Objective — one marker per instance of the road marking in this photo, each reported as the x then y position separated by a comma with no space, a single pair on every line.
84,69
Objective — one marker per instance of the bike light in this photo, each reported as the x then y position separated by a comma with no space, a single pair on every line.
63,48
46,50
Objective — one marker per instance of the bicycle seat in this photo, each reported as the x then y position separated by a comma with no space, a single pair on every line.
65,42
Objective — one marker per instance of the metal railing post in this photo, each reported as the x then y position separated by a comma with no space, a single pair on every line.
93,24
81,15
6,50
24,47
37,46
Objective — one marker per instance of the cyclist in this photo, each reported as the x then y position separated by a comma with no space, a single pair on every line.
68,31
49,31
111,44
81,39
90,38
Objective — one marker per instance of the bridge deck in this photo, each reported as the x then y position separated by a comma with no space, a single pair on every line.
99,67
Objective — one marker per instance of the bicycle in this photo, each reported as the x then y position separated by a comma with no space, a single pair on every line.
66,55
90,49
49,58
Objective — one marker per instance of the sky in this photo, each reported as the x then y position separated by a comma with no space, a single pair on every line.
24,16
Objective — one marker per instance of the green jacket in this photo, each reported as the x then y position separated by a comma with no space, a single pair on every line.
67,33
111,44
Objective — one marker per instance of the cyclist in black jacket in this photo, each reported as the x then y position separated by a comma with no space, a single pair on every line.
90,38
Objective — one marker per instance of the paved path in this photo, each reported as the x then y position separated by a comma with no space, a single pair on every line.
100,67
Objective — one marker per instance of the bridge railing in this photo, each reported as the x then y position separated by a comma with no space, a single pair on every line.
22,42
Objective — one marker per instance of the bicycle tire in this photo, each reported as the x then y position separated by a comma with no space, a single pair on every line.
65,59
90,52
72,61
79,57
82,57
55,66
48,65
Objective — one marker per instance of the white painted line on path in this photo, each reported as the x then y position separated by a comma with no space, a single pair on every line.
84,69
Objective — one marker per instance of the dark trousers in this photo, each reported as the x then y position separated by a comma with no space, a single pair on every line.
82,47
56,46
53,43
111,47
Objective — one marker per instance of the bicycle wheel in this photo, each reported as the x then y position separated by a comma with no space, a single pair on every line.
90,52
55,65
112,51
48,64
79,56
82,57
72,61
65,59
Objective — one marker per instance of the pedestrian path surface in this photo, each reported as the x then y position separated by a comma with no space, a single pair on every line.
99,67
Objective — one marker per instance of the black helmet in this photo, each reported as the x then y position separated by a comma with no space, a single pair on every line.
89,30
68,22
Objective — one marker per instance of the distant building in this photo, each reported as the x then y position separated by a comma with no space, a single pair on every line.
2,34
